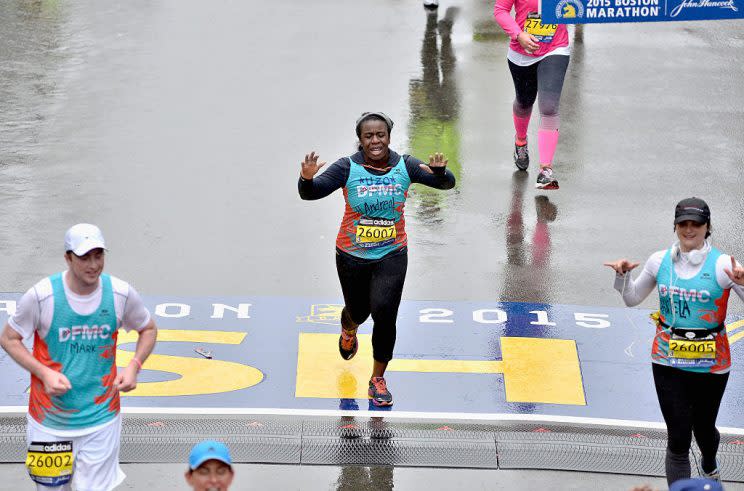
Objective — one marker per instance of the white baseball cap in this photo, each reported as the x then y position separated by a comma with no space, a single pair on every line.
83,238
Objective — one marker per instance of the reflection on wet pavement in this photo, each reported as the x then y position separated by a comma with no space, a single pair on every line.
362,478
434,110
527,275
374,435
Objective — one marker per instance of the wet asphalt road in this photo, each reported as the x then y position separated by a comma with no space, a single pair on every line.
178,127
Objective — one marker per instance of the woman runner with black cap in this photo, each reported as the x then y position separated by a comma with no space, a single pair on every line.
371,247
690,352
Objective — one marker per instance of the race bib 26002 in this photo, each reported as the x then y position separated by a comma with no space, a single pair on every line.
50,463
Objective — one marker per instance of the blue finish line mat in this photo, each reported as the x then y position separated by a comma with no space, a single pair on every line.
466,358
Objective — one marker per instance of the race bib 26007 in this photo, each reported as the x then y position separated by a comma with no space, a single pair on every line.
375,232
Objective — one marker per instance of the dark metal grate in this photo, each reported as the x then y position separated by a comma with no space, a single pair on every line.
380,441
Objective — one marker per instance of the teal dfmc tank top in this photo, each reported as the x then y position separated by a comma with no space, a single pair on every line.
697,304
373,225
83,348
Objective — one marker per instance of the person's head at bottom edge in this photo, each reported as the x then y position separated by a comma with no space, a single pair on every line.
210,467
696,484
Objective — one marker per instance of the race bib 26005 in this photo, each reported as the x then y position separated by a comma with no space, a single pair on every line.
692,353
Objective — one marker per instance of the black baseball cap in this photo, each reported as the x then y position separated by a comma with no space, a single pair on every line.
693,209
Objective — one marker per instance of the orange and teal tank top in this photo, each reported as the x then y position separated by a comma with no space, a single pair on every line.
373,225
692,311
83,348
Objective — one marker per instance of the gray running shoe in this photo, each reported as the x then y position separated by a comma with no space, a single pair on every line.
379,392
521,156
546,179
714,475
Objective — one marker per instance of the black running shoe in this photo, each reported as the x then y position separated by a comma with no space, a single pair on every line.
348,345
521,156
546,179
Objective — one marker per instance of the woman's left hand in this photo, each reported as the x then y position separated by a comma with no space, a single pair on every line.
736,273
435,161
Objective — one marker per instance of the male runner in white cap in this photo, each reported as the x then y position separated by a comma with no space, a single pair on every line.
74,425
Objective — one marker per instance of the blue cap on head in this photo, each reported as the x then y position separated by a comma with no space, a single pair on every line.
696,484
208,450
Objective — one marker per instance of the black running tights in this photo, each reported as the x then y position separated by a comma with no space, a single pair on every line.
689,402
544,78
374,287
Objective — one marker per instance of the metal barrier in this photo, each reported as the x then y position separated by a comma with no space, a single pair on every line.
351,440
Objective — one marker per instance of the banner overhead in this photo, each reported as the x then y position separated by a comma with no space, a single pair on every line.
597,11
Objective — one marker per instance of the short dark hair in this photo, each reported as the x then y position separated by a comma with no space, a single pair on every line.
707,232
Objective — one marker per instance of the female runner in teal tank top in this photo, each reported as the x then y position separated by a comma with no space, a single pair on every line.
371,246
690,353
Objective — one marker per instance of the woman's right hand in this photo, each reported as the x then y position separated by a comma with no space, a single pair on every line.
622,266
528,42
310,166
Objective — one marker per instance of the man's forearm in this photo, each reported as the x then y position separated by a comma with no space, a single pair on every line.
21,355
146,342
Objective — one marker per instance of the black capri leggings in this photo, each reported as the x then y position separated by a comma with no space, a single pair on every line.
689,402
374,287
544,77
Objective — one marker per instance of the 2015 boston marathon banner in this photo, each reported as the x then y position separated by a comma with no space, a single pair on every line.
479,359
596,11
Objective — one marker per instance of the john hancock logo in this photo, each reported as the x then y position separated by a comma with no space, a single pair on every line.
719,4
569,9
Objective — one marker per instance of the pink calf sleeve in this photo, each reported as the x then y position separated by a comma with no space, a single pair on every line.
547,140
520,125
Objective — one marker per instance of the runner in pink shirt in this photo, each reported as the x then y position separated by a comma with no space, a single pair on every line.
538,58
